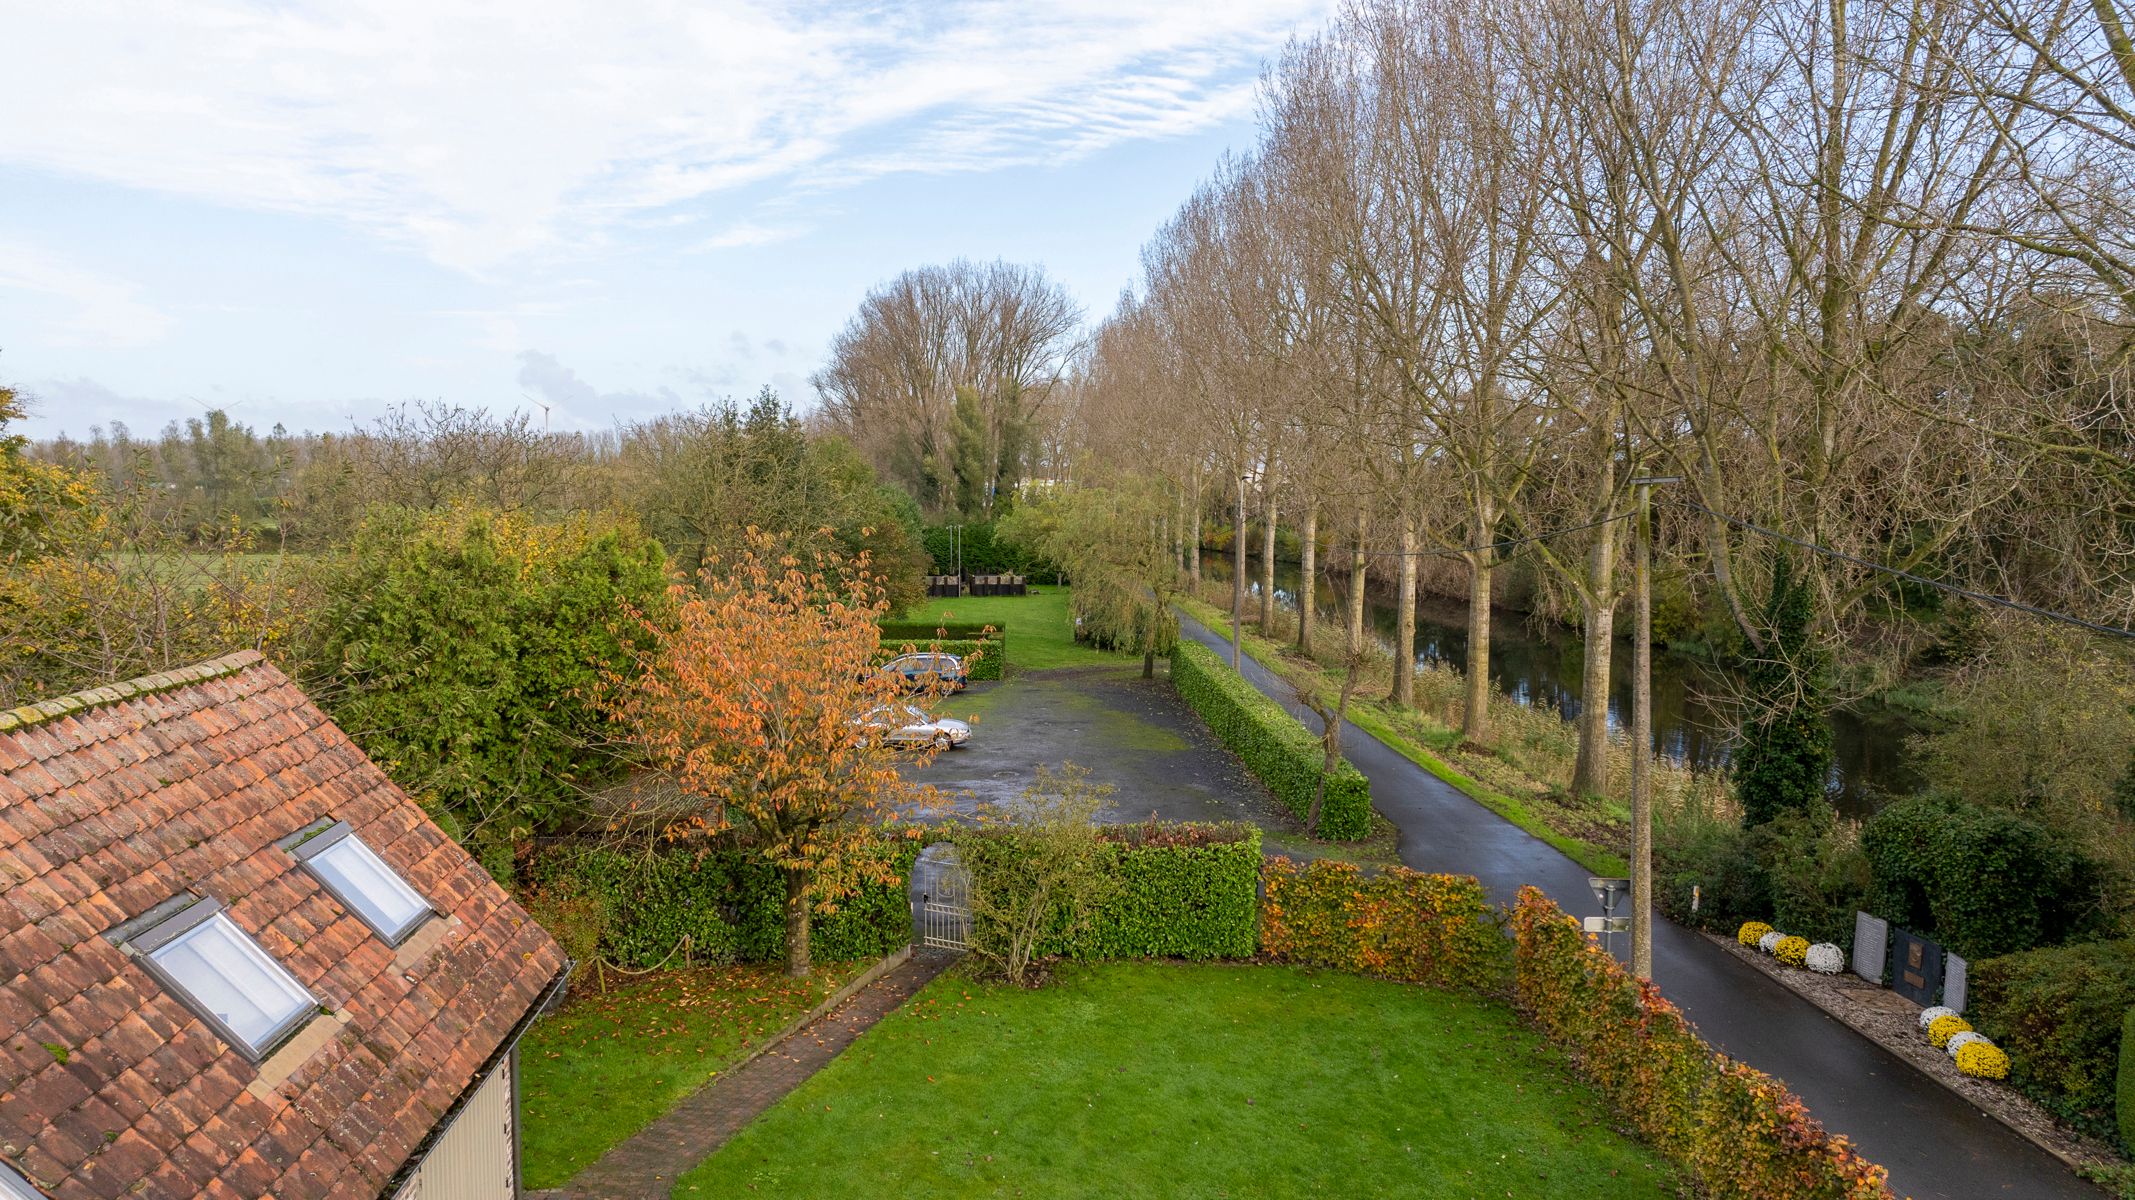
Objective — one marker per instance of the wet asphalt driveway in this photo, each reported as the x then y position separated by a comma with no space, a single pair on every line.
1132,733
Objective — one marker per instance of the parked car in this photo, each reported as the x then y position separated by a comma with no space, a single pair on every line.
909,725
926,667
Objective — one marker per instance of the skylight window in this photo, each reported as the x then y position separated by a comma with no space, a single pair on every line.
15,1187
223,975
362,881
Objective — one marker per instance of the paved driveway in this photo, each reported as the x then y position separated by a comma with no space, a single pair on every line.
1133,733
1934,1143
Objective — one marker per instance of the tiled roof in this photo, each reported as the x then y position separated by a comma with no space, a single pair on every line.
119,799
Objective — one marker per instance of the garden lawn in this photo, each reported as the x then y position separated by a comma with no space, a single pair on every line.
1162,1080
1041,630
606,1066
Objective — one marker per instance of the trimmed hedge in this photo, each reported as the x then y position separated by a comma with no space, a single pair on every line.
2126,1103
1439,930
1185,891
1735,1131
2060,1013
988,665
728,902
1273,744
921,632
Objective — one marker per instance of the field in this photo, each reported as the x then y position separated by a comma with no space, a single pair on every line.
1041,630
1152,1080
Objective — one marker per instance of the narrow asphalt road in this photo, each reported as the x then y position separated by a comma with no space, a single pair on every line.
1936,1146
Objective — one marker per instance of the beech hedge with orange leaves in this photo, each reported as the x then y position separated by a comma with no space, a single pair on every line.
1735,1130
1439,930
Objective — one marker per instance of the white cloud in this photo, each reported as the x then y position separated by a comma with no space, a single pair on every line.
749,233
93,310
482,132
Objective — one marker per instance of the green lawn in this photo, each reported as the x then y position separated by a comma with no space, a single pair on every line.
1041,631
1150,1079
606,1066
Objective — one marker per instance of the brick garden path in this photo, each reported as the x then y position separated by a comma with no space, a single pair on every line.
646,1166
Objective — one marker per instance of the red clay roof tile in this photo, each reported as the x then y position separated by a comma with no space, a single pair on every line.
122,798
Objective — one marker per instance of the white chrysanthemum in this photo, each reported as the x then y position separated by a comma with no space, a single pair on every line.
1825,959
1770,941
1959,1040
1928,1016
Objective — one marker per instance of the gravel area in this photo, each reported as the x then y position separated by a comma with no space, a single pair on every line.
1885,1016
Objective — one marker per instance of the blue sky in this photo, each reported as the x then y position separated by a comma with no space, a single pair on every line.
304,213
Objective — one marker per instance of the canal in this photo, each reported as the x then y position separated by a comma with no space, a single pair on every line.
1539,663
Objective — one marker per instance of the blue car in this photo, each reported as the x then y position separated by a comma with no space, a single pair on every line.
926,667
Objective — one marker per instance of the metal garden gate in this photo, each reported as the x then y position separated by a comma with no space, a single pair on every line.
941,900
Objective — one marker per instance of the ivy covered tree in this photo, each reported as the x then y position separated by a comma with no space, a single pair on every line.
461,648
1784,763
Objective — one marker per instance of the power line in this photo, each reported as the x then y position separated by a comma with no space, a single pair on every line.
1967,593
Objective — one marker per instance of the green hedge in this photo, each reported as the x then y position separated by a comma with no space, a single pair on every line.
919,633
988,665
2126,1105
2060,1013
1273,745
728,902
1185,891
1983,881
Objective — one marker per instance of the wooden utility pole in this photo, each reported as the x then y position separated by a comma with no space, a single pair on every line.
1642,735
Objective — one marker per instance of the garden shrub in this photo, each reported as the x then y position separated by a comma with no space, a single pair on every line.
1802,870
1735,1131
992,654
1983,881
2125,1106
728,901
1183,891
2059,1013
1271,743
1439,930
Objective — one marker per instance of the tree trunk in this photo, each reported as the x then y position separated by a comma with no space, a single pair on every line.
797,965
1193,540
1238,581
1308,579
1267,574
1149,663
1590,771
1475,722
1359,575
1404,693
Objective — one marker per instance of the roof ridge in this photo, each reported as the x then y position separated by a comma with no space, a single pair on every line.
111,693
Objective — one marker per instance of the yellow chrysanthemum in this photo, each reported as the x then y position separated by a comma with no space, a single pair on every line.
1983,1060
1752,932
1946,1028
1791,950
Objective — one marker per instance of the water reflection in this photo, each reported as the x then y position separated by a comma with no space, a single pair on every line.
1542,666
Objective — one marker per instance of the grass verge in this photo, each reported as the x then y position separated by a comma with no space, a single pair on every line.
1370,718
606,1066
1155,1079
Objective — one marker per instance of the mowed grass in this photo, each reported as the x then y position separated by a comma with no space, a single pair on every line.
1041,629
1164,1080
606,1066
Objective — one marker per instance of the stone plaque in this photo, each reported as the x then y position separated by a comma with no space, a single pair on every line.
1871,947
1953,981
1916,968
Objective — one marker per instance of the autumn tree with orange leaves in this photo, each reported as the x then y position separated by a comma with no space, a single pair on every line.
754,697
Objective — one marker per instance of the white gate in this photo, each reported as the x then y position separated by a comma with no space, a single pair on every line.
941,900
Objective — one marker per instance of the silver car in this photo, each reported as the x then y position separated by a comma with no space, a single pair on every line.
909,725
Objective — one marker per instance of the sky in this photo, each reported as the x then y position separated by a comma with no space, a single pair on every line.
303,213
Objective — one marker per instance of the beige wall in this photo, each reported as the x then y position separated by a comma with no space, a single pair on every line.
475,1159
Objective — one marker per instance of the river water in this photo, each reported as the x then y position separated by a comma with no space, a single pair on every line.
1538,664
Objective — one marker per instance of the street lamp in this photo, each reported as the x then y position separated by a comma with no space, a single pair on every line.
1642,733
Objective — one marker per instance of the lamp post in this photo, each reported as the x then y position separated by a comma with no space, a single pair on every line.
1642,732
1238,580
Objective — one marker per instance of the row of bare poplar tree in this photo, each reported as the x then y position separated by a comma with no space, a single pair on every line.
1861,273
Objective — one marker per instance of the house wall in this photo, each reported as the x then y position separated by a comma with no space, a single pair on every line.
477,1158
